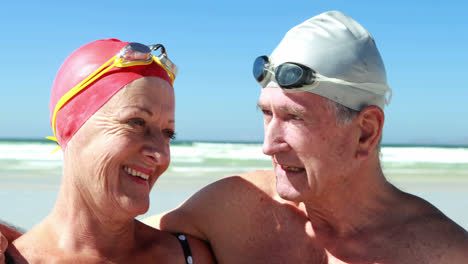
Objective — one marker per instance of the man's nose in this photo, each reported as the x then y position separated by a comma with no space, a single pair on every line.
275,140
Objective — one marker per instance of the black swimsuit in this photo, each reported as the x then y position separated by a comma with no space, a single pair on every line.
186,247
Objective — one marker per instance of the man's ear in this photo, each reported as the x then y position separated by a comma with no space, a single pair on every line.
370,122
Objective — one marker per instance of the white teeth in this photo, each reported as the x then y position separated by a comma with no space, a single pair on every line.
296,169
136,173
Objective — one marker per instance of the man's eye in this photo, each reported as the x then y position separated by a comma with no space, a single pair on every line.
295,117
266,112
170,134
136,122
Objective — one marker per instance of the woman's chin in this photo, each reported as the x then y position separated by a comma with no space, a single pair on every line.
142,208
140,211
135,208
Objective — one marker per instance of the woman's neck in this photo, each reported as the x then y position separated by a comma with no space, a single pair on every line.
77,227
81,223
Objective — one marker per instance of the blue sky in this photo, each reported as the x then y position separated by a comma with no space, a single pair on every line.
424,47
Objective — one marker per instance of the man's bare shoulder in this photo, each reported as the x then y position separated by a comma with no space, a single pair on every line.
410,230
226,199
263,179
435,239
431,233
441,237
243,186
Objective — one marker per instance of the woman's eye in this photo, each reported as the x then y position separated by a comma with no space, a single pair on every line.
170,134
136,122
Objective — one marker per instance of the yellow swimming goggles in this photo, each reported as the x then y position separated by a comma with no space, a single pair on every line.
133,54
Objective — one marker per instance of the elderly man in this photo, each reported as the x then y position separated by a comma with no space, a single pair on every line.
326,200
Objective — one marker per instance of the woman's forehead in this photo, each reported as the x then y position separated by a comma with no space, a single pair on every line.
147,87
148,92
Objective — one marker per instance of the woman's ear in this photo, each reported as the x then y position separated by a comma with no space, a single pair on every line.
370,123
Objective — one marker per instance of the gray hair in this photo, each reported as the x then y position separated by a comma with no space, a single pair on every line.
344,115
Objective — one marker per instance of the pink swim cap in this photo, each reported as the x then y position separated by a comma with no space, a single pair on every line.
79,65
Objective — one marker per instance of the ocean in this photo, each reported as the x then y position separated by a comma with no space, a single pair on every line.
30,175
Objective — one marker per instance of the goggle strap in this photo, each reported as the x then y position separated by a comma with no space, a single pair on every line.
370,87
122,64
171,75
389,99
77,88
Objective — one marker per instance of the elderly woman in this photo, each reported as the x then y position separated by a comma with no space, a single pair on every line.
112,112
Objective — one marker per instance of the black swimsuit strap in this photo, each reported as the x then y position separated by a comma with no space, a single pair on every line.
186,247
9,259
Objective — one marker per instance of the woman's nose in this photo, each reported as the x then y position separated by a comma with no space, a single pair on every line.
156,149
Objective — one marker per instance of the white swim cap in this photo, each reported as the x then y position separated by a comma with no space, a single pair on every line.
338,47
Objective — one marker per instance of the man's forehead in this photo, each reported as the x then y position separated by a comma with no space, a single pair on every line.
297,101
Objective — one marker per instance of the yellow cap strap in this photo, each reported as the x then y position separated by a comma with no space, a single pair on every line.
91,78
54,139
171,75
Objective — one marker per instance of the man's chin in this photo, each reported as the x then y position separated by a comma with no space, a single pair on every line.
289,188
288,192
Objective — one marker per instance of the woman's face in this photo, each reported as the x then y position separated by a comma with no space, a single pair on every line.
119,153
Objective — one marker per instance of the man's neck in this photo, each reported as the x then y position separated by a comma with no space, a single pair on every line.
360,205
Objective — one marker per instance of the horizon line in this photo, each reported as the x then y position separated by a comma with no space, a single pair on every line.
233,141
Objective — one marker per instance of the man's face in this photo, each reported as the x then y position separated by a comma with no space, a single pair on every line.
312,155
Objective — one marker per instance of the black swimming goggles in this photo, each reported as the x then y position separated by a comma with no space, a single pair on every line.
296,76
288,75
